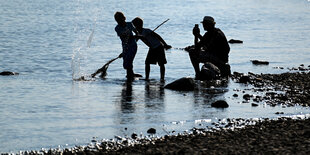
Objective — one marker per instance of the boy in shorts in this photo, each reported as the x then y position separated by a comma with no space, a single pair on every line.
124,31
157,46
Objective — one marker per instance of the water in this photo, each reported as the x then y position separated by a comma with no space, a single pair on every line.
51,42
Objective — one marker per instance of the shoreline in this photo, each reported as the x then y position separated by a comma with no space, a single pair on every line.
285,135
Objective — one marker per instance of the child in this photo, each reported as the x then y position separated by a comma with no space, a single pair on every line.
124,31
156,46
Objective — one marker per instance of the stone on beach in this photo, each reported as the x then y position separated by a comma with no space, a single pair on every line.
183,84
209,72
220,104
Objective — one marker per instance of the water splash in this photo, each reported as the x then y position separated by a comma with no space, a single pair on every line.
90,38
76,63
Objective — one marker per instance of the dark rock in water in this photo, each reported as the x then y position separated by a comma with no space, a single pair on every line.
151,131
233,41
254,105
220,104
209,72
235,95
258,62
134,136
7,73
244,79
278,113
185,84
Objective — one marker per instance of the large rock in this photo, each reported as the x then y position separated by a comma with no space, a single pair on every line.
209,72
220,104
184,84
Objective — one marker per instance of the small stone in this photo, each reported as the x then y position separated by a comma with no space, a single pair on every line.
233,41
244,79
151,131
235,95
134,136
247,96
254,105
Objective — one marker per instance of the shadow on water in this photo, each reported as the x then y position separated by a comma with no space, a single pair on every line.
127,105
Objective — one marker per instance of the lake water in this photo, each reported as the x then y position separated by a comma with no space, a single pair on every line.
47,43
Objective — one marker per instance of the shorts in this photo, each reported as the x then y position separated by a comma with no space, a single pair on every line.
156,55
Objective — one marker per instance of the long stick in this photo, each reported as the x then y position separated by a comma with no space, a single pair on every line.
161,24
104,68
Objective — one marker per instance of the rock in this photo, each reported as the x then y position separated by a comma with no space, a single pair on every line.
134,136
254,105
244,79
183,84
7,73
233,41
209,72
220,104
235,95
247,96
151,131
258,62
278,113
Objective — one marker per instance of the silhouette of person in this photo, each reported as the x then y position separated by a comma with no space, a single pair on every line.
211,47
124,31
157,46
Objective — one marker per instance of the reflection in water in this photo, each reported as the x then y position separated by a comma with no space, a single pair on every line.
154,100
138,109
127,98
206,94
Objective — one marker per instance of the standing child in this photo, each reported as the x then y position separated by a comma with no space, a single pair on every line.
124,31
156,45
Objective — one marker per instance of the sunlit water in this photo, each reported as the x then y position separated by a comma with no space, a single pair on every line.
51,42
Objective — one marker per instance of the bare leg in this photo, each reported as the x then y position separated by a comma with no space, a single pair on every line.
162,71
195,64
147,71
129,73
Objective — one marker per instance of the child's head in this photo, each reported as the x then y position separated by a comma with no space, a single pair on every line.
137,22
119,17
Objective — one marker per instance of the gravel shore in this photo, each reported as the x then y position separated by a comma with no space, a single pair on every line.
281,136
284,136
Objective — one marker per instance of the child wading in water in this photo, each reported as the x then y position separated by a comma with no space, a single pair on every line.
156,45
124,31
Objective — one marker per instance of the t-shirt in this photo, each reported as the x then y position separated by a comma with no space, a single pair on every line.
126,36
152,40
216,43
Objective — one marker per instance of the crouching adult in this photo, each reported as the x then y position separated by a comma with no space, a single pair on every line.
211,47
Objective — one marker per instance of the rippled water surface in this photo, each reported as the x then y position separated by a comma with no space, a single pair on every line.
49,43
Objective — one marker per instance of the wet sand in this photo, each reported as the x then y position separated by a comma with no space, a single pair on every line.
281,136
